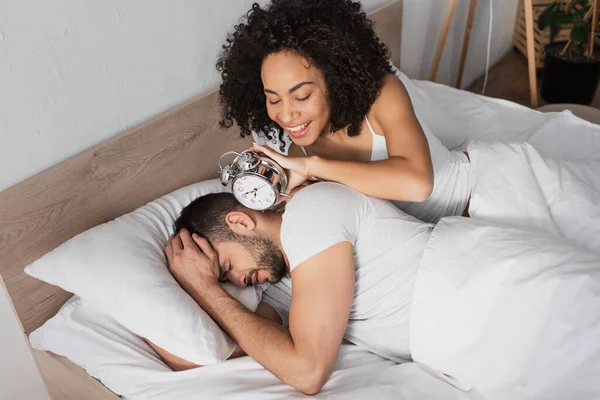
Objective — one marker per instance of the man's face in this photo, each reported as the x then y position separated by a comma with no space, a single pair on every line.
250,261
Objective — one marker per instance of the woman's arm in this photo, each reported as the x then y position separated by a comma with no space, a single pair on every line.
179,364
408,172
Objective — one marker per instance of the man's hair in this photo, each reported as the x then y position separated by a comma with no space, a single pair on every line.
334,35
205,216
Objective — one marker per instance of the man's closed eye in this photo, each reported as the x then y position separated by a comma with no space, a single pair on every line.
223,274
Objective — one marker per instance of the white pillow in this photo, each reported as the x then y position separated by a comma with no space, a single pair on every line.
121,360
120,268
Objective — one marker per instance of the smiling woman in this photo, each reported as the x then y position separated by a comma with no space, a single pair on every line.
314,72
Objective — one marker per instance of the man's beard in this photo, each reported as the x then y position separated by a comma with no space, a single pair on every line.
267,256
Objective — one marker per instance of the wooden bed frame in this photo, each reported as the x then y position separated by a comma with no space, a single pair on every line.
115,177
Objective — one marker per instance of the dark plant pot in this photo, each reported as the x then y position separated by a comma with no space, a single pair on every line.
567,80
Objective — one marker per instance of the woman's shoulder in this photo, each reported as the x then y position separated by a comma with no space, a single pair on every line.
393,100
393,95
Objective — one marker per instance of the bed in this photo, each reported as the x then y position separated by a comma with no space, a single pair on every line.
127,171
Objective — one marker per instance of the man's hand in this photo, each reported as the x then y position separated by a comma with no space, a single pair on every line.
323,287
193,262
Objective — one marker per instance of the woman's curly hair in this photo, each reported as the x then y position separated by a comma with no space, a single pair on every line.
334,35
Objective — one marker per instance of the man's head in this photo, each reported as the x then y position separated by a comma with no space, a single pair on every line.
245,240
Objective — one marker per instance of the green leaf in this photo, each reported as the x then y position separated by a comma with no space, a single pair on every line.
578,35
562,20
574,3
578,16
553,32
546,16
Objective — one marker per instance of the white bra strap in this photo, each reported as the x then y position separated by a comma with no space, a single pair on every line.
370,127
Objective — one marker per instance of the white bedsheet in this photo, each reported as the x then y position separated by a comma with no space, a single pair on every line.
359,375
125,363
458,117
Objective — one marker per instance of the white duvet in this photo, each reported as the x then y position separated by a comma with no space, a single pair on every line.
507,303
514,314
513,184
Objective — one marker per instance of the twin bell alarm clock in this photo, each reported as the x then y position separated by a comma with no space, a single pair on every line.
257,181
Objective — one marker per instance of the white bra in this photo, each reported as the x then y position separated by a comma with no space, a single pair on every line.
379,149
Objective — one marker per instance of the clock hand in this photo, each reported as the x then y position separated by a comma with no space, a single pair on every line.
258,188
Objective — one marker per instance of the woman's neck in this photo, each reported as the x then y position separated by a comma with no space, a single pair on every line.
328,138
339,146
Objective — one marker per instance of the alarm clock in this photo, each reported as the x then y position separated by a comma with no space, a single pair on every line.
257,181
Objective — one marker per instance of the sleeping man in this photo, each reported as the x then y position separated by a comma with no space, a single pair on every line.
489,305
352,260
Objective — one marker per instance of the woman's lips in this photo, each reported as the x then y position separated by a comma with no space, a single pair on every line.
298,134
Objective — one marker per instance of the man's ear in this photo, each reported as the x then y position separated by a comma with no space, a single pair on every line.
240,222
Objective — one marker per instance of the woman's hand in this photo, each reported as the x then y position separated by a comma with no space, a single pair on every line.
297,168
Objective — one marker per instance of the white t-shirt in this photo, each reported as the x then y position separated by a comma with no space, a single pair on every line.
388,245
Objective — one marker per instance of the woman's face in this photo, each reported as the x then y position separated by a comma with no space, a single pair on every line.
296,96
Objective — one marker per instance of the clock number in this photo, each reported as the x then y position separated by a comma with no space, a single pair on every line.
240,189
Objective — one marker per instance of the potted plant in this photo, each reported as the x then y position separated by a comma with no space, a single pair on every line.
571,69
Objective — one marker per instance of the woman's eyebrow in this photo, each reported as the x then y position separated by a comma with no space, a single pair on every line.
293,89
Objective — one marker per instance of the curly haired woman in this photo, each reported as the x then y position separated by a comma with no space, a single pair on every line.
315,71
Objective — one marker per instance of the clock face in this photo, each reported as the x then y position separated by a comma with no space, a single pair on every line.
254,192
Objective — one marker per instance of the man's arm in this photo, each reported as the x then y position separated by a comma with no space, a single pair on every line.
179,364
323,289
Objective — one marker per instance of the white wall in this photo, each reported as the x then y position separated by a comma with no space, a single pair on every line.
74,73
19,376
422,24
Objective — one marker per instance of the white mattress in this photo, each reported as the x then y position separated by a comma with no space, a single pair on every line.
457,118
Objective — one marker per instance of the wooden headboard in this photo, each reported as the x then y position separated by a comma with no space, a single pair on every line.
115,177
